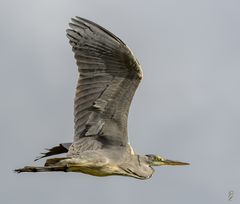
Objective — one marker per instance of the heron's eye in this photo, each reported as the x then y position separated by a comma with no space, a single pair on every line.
151,156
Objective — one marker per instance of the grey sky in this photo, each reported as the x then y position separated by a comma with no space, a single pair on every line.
186,108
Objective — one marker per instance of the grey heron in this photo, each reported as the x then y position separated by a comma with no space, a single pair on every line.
109,75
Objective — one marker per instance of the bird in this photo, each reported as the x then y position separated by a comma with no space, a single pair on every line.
109,75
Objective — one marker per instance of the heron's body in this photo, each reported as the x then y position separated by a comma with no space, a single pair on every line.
104,163
109,77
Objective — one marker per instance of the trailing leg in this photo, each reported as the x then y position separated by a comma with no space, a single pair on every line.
41,169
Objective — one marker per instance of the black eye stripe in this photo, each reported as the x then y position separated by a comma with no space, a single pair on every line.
151,156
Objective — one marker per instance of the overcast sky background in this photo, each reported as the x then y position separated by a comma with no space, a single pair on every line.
186,108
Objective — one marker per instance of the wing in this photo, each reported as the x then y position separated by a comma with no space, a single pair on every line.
109,76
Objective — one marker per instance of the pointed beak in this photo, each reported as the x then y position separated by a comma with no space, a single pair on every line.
167,162
156,160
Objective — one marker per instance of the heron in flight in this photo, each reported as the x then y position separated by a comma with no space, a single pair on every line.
109,76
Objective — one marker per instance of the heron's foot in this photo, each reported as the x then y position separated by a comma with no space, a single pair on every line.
41,169
26,169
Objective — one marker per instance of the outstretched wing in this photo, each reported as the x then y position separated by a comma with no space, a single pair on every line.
109,76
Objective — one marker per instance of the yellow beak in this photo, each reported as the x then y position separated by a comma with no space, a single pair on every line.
160,161
167,162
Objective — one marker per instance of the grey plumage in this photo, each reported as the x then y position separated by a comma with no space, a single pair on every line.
109,75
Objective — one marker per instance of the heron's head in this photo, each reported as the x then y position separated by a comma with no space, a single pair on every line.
156,160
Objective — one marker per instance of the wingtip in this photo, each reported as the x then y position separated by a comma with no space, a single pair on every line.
42,155
80,18
37,158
